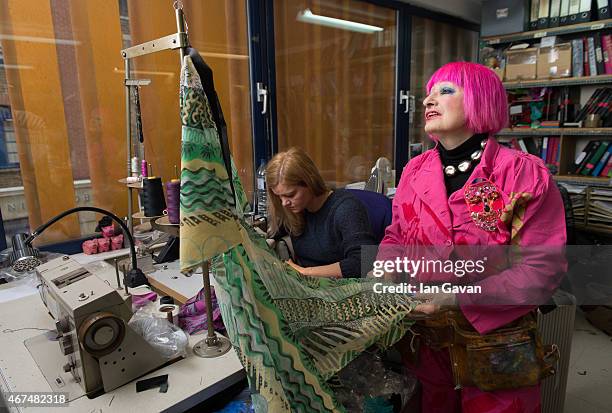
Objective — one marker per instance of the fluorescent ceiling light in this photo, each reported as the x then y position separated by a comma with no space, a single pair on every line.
63,42
17,67
145,72
307,16
226,56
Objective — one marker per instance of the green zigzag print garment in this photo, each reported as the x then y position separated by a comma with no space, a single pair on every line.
292,333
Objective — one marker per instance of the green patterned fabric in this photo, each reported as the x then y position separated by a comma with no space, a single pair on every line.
292,333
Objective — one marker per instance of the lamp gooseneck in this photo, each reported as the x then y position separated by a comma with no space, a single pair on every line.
136,276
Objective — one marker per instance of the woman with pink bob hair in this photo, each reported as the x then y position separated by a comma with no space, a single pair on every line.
462,199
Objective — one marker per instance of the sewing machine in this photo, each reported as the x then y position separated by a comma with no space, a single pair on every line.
98,351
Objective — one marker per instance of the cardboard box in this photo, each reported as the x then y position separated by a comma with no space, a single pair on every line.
521,64
555,61
500,72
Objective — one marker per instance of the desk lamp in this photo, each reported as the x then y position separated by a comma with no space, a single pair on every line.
25,257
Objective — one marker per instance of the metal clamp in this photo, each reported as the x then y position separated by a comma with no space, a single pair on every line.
172,41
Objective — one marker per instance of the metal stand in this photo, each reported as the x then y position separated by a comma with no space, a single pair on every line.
213,345
173,41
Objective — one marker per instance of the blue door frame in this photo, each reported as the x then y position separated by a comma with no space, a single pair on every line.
262,67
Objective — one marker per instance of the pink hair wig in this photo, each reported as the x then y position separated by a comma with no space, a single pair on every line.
484,97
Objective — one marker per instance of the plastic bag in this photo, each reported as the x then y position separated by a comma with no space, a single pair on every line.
169,340
374,383
22,284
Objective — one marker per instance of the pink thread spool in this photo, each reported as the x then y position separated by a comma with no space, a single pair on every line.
144,170
90,247
104,244
117,242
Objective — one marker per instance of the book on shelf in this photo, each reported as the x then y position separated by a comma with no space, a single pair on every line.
544,148
597,171
607,170
522,146
555,9
606,45
599,59
564,12
526,145
598,103
574,9
577,57
603,9
584,13
547,148
594,159
585,57
591,55
533,14
554,152
582,157
543,13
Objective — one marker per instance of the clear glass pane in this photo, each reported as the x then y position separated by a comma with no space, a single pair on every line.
62,103
336,86
433,45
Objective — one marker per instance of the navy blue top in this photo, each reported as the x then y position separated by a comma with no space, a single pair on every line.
335,233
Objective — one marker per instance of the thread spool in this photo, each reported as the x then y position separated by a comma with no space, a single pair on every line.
153,197
170,312
166,299
134,166
144,170
173,194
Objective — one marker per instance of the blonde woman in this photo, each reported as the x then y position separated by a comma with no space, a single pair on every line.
327,227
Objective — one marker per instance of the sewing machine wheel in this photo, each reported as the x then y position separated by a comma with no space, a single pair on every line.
101,333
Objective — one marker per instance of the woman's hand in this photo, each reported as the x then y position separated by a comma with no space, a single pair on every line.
296,267
434,303
328,271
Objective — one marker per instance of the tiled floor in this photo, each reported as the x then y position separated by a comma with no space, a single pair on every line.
589,383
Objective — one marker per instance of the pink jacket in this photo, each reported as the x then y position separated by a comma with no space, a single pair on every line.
424,215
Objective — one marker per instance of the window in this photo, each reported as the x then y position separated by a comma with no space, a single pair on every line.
336,85
61,85
434,44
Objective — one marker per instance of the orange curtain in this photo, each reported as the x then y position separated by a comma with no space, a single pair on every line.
218,30
336,88
95,24
65,75
35,93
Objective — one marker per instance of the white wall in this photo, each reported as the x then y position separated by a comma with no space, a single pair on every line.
466,9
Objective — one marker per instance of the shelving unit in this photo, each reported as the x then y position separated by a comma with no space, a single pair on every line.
553,31
567,81
589,180
600,229
589,213
556,132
